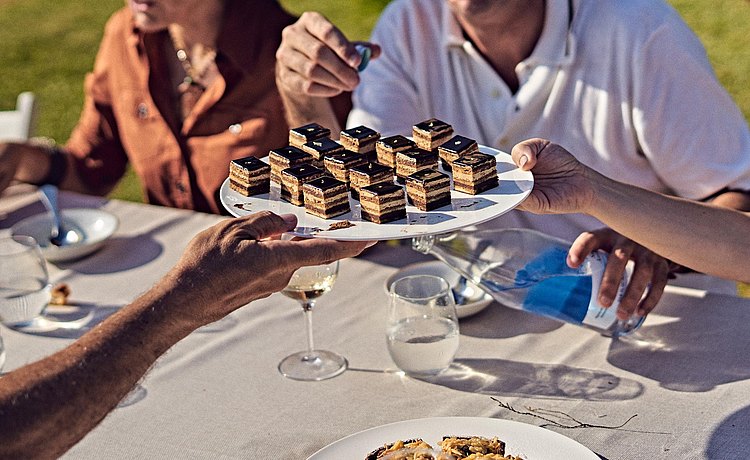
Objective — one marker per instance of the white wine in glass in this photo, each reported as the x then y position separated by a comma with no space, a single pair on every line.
306,285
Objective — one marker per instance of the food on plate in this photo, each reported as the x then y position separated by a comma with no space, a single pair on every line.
59,294
382,203
369,174
360,139
430,134
451,448
319,148
326,197
473,447
310,132
412,161
412,449
475,173
292,180
249,176
428,189
339,164
456,147
286,157
387,148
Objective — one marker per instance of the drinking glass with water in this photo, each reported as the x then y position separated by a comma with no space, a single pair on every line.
422,329
24,281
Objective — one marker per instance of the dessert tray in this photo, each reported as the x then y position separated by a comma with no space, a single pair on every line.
528,441
465,210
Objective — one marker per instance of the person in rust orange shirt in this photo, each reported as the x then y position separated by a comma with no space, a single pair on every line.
179,88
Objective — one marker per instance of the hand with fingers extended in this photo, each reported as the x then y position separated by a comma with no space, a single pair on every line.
243,259
316,59
650,272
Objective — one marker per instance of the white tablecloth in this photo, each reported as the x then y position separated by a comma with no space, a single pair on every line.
219,395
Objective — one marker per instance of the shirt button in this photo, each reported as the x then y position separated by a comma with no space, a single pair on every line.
495,94
235,129
142,110
504,141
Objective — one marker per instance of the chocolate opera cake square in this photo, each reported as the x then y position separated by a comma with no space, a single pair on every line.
292,180
286,157
303,134
387,148
360,139
326,197
369,174
454,148
431,133
428,189
249,176
382,203
474,173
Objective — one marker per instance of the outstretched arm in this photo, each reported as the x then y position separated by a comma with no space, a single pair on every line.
48,406
700,236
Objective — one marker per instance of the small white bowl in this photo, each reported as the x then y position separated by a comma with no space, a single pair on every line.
95,225
442,270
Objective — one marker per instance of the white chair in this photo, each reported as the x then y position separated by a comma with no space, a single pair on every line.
18,125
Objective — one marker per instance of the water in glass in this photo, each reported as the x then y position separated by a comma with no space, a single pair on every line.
422,331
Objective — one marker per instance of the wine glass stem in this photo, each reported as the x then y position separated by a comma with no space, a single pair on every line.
307,308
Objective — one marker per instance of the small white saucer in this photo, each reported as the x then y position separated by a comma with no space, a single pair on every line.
95,226
442,270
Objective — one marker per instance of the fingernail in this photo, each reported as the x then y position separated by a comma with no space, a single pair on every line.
605,301
290,219
371,244
522,161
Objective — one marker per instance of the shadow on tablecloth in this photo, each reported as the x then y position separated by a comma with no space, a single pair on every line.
729,439
693,342
501,377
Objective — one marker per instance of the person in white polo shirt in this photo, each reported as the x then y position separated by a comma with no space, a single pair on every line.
624,84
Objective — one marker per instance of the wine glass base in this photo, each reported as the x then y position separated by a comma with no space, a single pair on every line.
135,395
318,365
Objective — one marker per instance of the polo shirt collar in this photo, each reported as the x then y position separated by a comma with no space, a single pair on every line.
556,45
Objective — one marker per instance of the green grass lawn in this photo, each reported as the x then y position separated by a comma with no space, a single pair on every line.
48,46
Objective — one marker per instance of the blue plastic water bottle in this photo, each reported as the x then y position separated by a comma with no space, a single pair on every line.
527,270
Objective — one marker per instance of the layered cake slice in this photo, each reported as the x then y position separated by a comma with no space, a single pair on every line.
430,134
474,173
249,176
319,148
387,148
428,189
360,139
454,148
326,197
412,161
339,164
369,174
382,203
292,180
300,136
284,158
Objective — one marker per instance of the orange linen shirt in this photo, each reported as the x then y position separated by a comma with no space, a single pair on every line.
131,112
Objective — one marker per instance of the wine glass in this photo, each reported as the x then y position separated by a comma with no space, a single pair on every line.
24,282
306,285
422,328
25,290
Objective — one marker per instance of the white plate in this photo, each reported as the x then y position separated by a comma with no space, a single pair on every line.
95,226
529,441
464,210
438,268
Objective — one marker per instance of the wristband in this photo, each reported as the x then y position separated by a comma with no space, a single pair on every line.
58,166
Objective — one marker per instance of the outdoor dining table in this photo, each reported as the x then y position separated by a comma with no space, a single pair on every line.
680,385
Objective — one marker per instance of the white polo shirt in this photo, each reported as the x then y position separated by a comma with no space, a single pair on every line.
625,86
